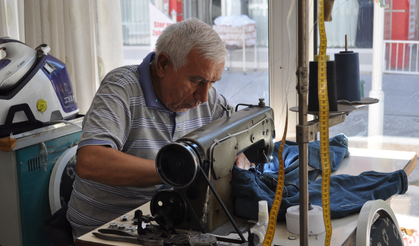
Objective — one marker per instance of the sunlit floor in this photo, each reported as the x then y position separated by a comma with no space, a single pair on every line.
406,208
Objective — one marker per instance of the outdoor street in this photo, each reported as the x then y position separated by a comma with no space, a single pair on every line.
401,108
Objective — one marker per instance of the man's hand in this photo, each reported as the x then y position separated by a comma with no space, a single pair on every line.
242,162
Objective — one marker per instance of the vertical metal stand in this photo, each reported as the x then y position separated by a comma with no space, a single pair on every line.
222,205
302,87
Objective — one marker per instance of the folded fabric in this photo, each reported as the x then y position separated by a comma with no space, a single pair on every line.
338,146
347,193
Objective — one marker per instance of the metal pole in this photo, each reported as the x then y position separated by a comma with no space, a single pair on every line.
302,88
376,111
223,7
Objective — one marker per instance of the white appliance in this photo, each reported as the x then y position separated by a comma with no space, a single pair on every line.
35,180
35,88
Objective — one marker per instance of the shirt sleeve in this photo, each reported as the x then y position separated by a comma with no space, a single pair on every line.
108,120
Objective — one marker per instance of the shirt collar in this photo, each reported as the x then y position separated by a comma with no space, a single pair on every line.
146,83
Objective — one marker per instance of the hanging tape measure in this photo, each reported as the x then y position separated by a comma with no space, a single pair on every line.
324,145
324,126
273,214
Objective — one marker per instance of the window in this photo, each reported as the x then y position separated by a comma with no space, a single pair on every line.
246,74
393,123
261,72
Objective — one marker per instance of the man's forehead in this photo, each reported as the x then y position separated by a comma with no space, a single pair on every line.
204,70
200,78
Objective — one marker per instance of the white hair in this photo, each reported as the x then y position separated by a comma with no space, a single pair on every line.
178,39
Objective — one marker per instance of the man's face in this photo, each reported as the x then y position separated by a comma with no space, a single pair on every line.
186,88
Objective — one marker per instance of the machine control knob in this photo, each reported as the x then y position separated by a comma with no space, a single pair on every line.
124,218
113,225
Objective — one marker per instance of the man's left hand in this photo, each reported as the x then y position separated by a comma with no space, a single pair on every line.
242,162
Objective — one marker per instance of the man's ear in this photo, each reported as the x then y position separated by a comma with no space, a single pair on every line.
163,63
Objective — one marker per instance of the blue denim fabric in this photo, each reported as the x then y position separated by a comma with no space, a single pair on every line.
347,193
338,146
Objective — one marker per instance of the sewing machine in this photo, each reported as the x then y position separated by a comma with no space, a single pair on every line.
197,170
209,152
199,166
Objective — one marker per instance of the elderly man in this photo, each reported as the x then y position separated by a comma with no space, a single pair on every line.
136,111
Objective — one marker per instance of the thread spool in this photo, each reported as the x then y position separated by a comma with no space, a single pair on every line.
347,75
313,95
315,220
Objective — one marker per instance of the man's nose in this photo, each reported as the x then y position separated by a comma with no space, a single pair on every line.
201,94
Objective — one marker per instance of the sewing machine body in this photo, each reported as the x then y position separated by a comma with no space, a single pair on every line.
208,155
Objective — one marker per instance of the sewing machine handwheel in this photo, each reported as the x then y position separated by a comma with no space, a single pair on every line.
169,204
178,164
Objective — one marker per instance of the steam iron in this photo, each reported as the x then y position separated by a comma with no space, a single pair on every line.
19,59
35,88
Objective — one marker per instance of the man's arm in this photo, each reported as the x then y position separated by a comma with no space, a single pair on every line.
112,167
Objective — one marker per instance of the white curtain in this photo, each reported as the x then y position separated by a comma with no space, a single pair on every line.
345,20
84,34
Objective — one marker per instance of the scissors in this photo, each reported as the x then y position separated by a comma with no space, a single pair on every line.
146,239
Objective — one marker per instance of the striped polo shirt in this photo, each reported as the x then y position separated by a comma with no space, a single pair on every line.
127,115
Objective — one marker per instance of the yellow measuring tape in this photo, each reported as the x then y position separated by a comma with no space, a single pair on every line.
273,214
324,145
324,126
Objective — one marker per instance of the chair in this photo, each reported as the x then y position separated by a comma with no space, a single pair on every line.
63,174
378,224
59,229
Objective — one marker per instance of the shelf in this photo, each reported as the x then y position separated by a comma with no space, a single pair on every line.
342,109
307,133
